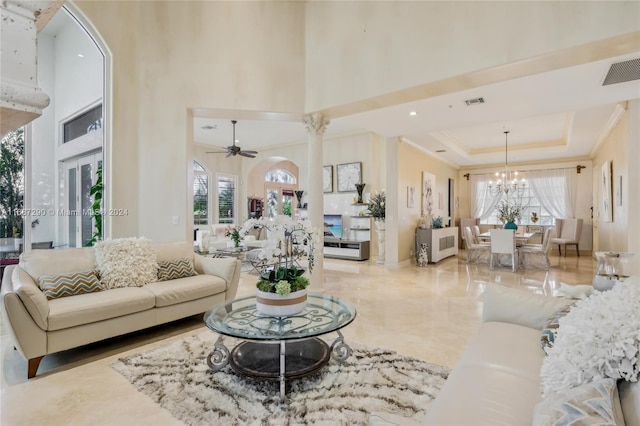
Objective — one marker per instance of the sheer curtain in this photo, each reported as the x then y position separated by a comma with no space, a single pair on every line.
482,202
556,190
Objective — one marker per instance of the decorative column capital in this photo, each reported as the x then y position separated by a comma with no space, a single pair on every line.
315,123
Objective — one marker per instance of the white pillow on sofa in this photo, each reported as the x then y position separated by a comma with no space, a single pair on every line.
516,306
126,262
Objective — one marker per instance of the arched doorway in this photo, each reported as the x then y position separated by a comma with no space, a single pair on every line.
274,180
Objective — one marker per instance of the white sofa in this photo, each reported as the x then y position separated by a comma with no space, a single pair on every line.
497,380
39,326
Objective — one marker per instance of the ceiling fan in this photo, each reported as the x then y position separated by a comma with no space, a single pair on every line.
234,150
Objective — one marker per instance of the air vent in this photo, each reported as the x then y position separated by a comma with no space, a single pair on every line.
441,150
474,101
207,127
623,71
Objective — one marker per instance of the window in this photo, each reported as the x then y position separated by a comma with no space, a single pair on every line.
82,124
200,195
549,193
532,204
227,194
280,176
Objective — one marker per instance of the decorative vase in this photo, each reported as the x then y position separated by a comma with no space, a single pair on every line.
510,225
275,305
360,188
380,229
299,197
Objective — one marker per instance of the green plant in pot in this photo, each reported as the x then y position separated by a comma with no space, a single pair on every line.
281,290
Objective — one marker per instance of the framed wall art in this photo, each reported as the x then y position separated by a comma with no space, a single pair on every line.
428,187
619,190
348,175
411,196
327,178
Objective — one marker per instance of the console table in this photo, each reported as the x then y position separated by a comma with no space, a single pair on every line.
346,249
441,242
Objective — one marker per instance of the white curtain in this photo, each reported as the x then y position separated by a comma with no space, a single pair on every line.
482,202
556,190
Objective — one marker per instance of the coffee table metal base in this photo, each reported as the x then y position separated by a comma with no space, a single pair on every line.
260,360
278,360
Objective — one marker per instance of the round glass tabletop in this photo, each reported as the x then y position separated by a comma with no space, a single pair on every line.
239,318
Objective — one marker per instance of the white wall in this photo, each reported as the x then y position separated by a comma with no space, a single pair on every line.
356,51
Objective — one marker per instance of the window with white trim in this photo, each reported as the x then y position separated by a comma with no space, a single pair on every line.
200,195
227,196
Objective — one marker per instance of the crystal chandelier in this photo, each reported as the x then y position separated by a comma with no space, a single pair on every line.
508,182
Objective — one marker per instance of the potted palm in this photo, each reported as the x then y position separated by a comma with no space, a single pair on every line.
281,290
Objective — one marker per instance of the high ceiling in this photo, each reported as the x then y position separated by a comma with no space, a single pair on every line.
560,114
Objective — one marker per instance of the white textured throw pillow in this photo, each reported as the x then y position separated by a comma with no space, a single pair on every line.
598,338
126,262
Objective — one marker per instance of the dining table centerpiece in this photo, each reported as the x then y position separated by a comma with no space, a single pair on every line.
281,289
509,213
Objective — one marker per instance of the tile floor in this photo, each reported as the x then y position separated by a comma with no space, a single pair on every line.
426,312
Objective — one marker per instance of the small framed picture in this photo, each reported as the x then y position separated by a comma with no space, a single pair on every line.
411,196
327,178
348,175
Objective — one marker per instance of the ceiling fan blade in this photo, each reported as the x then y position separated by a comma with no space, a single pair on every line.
247,154
216,152
250,152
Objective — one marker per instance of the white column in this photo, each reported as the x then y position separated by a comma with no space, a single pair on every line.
316,124
391,184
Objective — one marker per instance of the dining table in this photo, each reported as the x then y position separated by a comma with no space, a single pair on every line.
521,239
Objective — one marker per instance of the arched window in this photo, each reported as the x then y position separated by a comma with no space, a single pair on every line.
280,176
200,195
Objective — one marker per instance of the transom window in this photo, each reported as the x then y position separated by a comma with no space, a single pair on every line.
280,176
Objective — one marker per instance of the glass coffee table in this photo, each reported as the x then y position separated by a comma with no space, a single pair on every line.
279,348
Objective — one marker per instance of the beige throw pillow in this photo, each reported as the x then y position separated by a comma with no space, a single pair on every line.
126,262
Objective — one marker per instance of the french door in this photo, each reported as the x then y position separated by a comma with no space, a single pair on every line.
79,177
279,199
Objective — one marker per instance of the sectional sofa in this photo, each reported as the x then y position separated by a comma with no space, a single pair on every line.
498,378
41,324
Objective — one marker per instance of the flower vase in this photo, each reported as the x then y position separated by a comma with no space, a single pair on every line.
276,305
380,229
510,225
360,188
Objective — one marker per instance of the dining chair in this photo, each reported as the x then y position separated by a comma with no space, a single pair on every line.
474,249
503,242
464,222
568,234
536,256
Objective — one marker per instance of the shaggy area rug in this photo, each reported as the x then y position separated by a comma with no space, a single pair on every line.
177,377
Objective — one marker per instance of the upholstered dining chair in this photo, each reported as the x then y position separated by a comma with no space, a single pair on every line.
567,234
474,249
536,256
465,222
503,242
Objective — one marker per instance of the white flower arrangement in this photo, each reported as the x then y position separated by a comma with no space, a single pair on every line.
282,233
598,338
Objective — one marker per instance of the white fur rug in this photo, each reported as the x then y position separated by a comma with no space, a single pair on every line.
177,377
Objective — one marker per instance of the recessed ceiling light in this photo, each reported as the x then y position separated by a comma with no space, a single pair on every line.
207,127
412,113
80,55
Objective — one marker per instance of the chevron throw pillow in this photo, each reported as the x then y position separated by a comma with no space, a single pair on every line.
174,269
70,284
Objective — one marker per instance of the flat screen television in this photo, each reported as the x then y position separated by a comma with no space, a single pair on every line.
333,225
